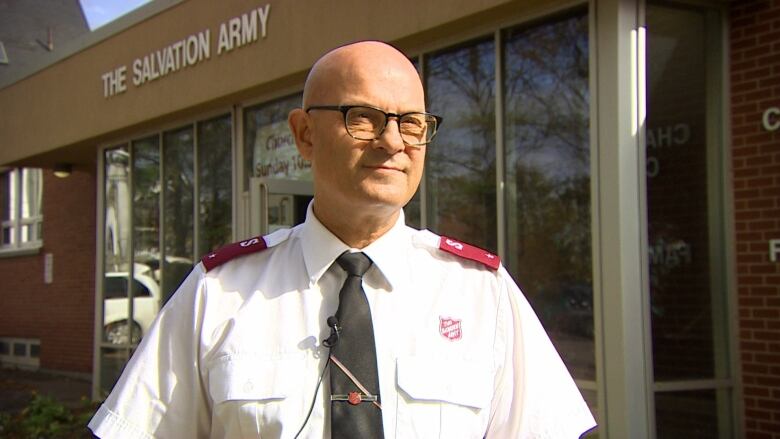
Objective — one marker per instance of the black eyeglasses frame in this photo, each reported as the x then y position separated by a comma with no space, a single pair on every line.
344,109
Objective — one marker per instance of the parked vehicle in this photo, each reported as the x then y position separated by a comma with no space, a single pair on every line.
147,297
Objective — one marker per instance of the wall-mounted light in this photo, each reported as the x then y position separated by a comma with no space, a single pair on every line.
62,170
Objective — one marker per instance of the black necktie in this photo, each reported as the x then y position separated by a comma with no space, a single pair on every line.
355,412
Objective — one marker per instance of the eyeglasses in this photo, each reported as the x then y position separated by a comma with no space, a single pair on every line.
368,123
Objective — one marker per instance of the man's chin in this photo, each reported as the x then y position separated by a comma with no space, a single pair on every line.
384,199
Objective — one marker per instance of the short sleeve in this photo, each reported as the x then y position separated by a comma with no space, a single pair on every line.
535,396
161,392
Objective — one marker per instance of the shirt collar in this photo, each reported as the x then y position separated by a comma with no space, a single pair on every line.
321,248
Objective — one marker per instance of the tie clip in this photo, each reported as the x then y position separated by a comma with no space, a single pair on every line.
354,398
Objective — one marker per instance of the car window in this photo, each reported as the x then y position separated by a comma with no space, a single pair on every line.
116,288
140,290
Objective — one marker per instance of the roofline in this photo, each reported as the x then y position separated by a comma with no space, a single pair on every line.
83,42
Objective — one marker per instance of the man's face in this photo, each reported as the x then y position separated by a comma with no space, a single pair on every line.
381,174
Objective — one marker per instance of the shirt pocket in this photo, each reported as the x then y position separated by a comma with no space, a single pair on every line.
255,396
445,397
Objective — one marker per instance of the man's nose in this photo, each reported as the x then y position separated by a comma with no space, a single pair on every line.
390,140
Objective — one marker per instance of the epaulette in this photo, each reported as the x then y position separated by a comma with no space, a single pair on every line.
234,250
470,252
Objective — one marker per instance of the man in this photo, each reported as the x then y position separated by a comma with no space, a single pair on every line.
427,337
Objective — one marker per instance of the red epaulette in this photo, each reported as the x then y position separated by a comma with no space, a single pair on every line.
467,251
234,250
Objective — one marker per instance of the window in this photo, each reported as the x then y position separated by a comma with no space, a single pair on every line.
21,190
167,201
20,352
461,164
269,149
546,135
688,295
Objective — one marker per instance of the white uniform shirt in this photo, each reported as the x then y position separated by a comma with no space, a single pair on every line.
237,350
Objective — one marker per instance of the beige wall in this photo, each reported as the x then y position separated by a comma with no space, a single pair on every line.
61,115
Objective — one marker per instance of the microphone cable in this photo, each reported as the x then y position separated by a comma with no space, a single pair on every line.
329,342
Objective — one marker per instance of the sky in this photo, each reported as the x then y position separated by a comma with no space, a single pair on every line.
101,12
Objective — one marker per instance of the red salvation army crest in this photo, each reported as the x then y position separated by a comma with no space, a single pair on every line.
450,328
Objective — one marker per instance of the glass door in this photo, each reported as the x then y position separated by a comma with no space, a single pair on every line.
688,294
277,203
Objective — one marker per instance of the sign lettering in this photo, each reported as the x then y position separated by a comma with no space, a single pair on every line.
771,119
188,52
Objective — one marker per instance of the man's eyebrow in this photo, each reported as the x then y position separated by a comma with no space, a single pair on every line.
366,104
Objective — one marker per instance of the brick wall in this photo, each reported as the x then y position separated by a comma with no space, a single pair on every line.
755,87
60,314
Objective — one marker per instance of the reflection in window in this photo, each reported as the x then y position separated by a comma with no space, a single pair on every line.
117,245
200,152
21,192
687,293
178,196
112,362
214,184
117,214
700,419
548,181
269,148
678,230
146,214
461,162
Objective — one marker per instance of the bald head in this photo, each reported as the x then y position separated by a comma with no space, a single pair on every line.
351,65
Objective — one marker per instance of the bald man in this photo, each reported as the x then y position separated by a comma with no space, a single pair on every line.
351,324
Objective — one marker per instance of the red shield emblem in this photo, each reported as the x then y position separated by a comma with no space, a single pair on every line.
354,398
450,328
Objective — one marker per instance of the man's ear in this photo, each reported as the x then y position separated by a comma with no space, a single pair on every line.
300,126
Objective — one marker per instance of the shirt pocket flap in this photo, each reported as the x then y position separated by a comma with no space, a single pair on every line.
253,378
465,382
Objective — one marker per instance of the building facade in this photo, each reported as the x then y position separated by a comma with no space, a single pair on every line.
622,157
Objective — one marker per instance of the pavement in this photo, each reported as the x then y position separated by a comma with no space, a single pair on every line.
17,385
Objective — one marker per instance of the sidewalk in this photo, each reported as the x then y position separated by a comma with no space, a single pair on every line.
16,387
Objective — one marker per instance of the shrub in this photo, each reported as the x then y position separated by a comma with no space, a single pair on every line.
46,418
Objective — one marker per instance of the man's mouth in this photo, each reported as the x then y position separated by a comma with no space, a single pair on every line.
385,168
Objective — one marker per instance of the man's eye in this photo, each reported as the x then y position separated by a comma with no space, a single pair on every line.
413,123
364,117
360,119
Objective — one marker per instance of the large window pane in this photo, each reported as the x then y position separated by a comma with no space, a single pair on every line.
687,290
178,196
31,197
21,193
269,148
146,233
677,196
689,415
548,181
461,161
112,363
214,184
116,247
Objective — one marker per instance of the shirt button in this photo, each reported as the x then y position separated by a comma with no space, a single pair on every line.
248,386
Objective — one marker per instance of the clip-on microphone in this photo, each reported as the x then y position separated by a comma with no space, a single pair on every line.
335,331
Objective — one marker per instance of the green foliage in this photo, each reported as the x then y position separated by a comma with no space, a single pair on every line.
46,418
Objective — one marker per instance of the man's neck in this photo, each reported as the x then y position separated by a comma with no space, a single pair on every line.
356,229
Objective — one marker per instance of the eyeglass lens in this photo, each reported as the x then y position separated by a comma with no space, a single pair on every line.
366,123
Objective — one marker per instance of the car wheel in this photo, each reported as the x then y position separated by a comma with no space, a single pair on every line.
119,333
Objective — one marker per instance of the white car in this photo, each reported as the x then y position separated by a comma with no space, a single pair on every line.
146,304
